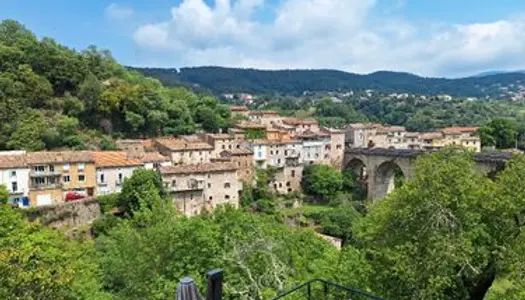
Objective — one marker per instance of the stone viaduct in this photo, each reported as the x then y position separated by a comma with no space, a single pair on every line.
378,166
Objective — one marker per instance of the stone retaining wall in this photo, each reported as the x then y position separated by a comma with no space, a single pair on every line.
68,214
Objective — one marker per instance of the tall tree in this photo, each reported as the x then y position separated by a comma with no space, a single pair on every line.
448,232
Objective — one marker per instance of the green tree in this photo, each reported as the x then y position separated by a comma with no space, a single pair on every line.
448,232
321,181
499,132
29,133
4,195
143,189
39,263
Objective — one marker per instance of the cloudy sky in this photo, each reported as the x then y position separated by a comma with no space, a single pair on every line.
429,37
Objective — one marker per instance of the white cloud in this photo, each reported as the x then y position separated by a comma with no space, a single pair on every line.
115,11
340,34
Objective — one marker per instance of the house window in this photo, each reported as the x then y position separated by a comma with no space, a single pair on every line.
66,167
338,147
227,197
39,168
81,167
174,183
277,152
279,161
120,177
66,179
14,186
227,185
210,198
81,178
271,152
223,147
51,168
293,173
280,184
209,185
288,183
102,178
40,180
13,173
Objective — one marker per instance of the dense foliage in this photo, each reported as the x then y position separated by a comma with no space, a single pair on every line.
54,97
448,233
295,82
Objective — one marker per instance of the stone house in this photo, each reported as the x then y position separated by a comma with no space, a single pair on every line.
185,150
202,187
302,125
243,159
265,117
220,142
337,142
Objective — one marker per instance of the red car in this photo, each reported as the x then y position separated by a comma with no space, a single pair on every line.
73,196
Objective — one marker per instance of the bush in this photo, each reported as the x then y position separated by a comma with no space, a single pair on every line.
104,224
107,202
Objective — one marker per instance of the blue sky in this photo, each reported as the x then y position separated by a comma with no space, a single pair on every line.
432,38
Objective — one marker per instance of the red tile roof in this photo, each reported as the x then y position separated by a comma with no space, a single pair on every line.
459,130
183,144
152,157
106,159
45,157
200,168
13,161
295,121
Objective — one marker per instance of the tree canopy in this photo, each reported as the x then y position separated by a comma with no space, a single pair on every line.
448,233
56,97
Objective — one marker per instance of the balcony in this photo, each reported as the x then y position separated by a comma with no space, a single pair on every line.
46,186
45,173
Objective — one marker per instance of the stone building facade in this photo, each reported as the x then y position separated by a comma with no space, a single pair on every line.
202,187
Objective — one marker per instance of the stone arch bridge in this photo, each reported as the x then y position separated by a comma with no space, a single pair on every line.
377,167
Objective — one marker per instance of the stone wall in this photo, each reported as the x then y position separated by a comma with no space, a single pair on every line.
69,214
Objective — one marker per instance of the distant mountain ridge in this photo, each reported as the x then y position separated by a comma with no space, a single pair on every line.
221,80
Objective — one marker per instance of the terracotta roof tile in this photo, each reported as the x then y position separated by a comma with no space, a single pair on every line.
45,157
105,159
458,130
295,121
9,161
200,168
152,157
183,144
237,108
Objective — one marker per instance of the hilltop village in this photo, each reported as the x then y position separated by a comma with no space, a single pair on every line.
205,170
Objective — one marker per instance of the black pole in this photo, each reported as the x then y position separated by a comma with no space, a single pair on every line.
215,284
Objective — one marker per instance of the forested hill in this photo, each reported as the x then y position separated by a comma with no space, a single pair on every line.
231,80
55,97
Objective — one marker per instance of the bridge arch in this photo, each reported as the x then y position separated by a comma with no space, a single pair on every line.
357,166
388,176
